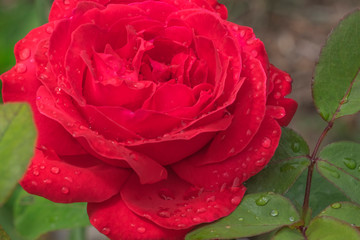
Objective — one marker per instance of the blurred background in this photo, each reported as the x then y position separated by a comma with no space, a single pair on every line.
293,32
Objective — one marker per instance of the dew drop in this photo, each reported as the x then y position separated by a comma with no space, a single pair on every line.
235,200
228,227
196,219
166,194
69,179
21,68
266,143
240,219
291,219
254,53
274,213
25,54
34,183
210,199
248,132
65,190
336,205
295,146
164,214
49,29
232,150
55,170
42,167
242,33
105,230
66,2
141,229
47,181
349,163
201,210
181,225
235,27
261,162
277,95
36,173
262,201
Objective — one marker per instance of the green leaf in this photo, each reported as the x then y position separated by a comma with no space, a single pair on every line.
287,234
7,220
258,213
346,211
284,168
340,165
36,215
322,193
17,140
336,86
3,235
328,228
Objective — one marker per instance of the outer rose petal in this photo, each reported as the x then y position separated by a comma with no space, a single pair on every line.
249,110
21,84
64,8
176,204
238,168
59,181
282,87
114,219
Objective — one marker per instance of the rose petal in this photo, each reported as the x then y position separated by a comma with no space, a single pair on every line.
114,219
65,8
51,177
248,115
282,87
112,152
237,169
176,204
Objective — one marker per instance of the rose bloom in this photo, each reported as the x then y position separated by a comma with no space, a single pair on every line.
154,112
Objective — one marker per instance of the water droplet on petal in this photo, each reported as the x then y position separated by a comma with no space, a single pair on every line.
34,183
49,29
235,27
236,200
266,143
166,194
336,205
274,213
164,214
261,162
48,181
210,199
55,170
277,95
25,54
232,150
201,210
66,2
21,68
36,173
248,132
262,201
181,225
65,190
141,229
69,179
105,230
349,163
196,219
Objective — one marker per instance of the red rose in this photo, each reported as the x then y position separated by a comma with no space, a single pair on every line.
154,112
